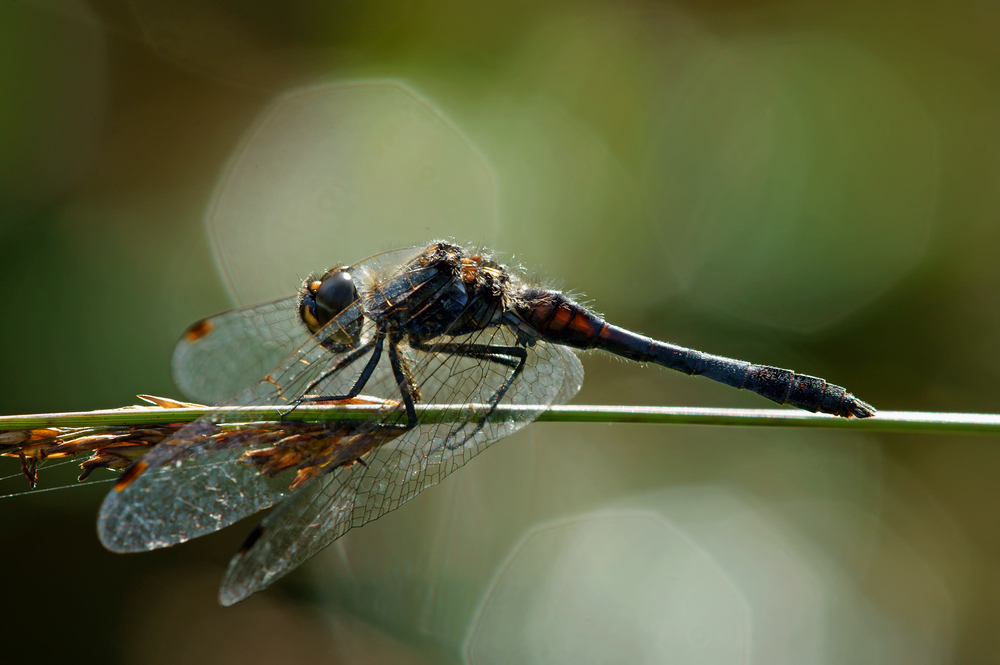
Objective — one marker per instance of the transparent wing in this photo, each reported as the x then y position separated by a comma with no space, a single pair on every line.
219,357
333,503
220,469
199,480
223,355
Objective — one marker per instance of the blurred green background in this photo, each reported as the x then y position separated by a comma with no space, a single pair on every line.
809,185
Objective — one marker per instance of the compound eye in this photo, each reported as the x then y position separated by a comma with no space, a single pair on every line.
335,294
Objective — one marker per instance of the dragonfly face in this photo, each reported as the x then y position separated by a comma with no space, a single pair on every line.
432,325
324,298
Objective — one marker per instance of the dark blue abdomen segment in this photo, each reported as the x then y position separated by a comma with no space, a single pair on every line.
780,385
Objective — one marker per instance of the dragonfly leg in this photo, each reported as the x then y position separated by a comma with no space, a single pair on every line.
478,351
513,357
358,386
404,378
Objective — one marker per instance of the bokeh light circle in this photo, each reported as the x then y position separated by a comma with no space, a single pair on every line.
331,174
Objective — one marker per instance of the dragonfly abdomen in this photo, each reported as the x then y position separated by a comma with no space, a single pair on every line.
560,320
778,385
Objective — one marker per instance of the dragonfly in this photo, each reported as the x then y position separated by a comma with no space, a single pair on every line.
438,324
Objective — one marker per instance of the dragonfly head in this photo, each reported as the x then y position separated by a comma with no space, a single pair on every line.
323,299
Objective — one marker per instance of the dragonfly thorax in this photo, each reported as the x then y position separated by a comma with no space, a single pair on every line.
441,292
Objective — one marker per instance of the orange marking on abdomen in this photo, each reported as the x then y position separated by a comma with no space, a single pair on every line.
566,322
585,325
563,315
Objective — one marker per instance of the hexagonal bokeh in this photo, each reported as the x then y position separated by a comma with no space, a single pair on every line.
331,174
609,586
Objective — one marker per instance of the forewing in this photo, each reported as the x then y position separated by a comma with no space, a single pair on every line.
401,468
223,355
